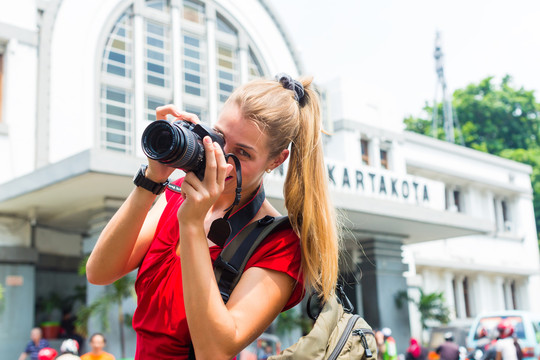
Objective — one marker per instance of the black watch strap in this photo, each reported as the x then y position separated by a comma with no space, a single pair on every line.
141,180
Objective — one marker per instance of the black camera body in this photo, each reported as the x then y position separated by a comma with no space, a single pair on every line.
179,144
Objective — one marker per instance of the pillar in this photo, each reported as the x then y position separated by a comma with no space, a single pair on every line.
382,270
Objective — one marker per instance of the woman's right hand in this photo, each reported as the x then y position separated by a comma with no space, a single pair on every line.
157,171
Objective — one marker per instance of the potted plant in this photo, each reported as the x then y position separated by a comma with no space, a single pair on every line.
48,308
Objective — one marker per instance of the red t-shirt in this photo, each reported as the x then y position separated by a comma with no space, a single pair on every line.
160,317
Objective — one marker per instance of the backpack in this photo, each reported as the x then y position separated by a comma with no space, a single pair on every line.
337,334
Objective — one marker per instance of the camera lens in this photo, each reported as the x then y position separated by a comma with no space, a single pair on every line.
161,142
173,144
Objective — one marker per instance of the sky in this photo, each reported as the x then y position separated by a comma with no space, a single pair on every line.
385,47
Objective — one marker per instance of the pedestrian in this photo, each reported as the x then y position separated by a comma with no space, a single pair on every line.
448,350
35,344
505,346
415,351
179,305
379,338
69,350
389,347
97,344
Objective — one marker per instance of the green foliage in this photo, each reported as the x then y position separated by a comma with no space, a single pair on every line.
113,296
431,306
495,118
2,301
292,319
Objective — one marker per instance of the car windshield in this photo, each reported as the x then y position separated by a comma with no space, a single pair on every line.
490,325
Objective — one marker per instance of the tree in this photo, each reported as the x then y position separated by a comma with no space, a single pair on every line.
114,295
494,118
431,306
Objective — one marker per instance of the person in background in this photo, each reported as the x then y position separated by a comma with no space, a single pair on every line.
379,337
448,350
69,350
389,348
415,351
35,344
97,343
505,347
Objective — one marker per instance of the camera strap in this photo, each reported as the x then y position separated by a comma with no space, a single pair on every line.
224,229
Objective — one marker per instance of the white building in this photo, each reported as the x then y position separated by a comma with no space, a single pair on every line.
78,84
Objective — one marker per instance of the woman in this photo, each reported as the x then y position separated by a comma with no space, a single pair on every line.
179,303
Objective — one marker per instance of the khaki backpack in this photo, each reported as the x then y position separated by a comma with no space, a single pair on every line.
338,334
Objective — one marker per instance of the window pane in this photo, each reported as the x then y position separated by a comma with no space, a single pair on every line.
116,96
194,65
158,54
192,90
193,11
227,70
154,55
225,26
115,124
118,49
160,5
156,68
191,53
116,128
155,80
192,78
188,40
254,66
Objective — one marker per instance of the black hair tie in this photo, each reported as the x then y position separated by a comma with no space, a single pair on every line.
292,84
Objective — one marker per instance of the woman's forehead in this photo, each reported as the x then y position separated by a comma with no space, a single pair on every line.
236,127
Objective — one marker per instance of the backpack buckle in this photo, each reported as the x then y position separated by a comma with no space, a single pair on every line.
222,264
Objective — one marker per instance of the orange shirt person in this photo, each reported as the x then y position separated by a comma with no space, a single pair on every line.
97,343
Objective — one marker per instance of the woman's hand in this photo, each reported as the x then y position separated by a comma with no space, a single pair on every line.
157,171
199,196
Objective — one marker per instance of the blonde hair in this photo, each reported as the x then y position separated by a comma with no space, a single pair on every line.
285,121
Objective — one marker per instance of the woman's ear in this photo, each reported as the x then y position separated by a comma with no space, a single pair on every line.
280,159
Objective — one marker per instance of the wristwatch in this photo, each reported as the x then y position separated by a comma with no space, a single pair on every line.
141,180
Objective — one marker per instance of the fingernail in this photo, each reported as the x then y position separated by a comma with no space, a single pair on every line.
216,145
207,139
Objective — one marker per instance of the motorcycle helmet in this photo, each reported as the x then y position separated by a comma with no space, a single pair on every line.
449,336
47,354
386,332
70,346
505,328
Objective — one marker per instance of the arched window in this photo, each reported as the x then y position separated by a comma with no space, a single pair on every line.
160,52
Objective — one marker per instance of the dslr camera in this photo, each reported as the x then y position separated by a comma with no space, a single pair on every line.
179,144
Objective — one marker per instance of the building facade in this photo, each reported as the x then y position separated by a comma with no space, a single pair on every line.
78,84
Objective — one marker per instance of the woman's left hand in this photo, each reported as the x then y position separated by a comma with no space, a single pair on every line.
199,196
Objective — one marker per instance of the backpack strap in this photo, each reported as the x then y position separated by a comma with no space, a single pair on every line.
230,264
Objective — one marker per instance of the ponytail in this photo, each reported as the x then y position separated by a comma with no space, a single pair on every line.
288,121
308,202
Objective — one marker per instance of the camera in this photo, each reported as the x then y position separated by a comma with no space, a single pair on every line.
179,144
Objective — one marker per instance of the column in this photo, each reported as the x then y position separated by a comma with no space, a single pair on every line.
460,306
212,62
449,297
382,270
176,43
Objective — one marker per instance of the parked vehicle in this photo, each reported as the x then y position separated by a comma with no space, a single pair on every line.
526,328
